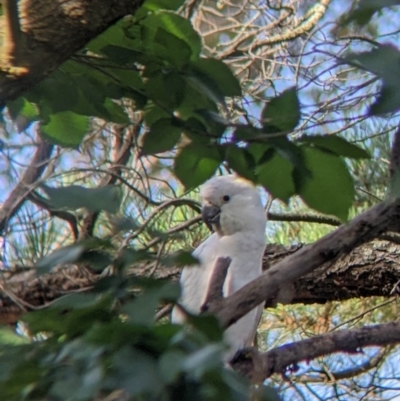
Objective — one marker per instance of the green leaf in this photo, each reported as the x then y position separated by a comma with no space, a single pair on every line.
337,145
394,186
206,358
116,112
382,61
366,9
61,256
22,112
10,337
246,132
240,160
388,100
163,136
121,55
153,113
207,88
175,25
195,164
137,373
288,150
142,310
217,74
208,325
114,35
282,113
276,176
330,188
194,101
74,197
48,93
171,365
166,89
154,5
65,128
168,47
180,259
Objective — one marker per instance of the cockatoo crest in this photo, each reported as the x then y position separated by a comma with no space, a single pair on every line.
232,204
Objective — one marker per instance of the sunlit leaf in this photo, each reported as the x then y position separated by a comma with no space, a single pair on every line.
22,112
175,25
154,5
169,47
66,128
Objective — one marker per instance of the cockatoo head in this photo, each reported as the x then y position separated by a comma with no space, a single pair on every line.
232,204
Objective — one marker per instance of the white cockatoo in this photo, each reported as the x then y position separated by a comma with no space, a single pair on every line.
232,206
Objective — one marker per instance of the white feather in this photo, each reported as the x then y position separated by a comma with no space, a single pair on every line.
241,236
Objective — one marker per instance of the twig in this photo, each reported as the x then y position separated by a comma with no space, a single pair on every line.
25,185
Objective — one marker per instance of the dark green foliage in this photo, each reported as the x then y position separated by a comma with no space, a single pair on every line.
92,344
282,113
155,60
74,197
366,9
383,61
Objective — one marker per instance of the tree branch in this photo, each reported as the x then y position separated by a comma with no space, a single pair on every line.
25,185
365,227
217,280
279,359
53,31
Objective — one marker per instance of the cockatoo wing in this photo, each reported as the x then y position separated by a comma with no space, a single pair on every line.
195,279
246,265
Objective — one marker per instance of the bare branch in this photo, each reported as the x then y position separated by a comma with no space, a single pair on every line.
61,214
217,280
124,141
279,359
25,185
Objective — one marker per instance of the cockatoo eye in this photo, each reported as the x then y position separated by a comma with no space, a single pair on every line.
226,198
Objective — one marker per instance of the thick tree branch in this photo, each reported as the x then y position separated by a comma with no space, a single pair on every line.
365,227
279,359
370,270
53,31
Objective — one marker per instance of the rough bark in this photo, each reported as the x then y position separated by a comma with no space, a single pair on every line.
261,366
364,228
370,270
52,31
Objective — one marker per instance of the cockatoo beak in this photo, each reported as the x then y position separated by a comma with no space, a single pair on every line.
210,214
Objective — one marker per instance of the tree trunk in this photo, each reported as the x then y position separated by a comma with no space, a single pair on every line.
50,33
